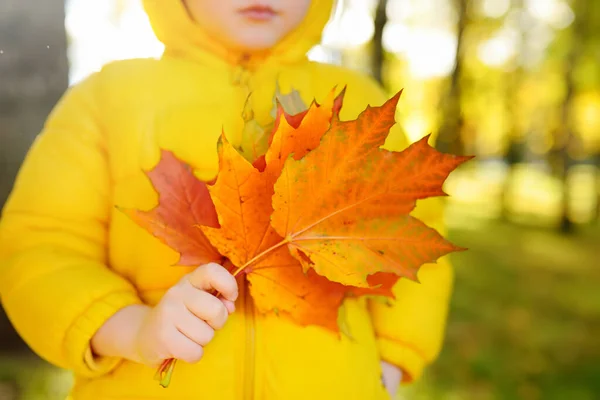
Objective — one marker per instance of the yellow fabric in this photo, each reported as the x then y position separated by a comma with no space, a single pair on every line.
69,260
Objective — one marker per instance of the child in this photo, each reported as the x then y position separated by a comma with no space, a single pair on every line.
91,292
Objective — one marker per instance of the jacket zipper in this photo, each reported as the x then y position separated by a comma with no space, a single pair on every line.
249,318
240,79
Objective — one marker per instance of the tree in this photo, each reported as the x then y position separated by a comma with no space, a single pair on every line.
378,56
450,139
516,147
33,76
569,143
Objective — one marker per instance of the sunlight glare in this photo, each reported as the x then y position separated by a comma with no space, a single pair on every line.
350,28
320,54
497,50
356,27
556,13
395,35
430,52
399,10
495,8
416,125
538,40
98,36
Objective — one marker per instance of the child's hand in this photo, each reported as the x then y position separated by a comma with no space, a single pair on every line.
186,317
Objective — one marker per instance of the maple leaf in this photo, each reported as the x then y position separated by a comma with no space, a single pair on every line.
343,208
242,196
184,205
279,285
297,136
254,141
291,102
306,137
256,137
329,109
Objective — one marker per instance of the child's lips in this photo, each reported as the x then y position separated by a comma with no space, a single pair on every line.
258,13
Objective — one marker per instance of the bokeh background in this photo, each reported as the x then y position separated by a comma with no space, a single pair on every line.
514,82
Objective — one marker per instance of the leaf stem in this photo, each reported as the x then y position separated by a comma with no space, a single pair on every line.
326,217
165,372
261,255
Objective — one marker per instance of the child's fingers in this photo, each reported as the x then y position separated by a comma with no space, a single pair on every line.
206,307
229,305
194,328
184,348
214,277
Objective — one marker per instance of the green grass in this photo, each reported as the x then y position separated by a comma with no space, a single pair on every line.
524,323
525,318
26,377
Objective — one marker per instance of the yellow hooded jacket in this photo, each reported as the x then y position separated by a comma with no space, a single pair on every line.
69,260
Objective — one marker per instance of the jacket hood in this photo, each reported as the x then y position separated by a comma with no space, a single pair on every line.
183,37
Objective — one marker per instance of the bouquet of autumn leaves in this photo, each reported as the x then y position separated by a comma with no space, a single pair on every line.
312,210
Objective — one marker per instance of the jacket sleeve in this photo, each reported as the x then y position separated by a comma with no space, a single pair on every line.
410,329
55,284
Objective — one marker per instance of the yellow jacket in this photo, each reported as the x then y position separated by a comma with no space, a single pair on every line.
69,260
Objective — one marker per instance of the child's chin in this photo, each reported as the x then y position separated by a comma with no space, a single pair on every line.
254,40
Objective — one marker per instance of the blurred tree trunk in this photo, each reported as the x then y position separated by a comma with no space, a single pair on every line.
450,139
567,141
33,75
597,216
378,50
516,138
565,159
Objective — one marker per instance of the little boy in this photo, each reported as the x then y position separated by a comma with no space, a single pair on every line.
91,292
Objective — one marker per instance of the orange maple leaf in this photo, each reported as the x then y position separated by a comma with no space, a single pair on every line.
184,205
343,209
308,138
242,196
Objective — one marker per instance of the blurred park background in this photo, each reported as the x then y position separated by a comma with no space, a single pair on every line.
514,82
